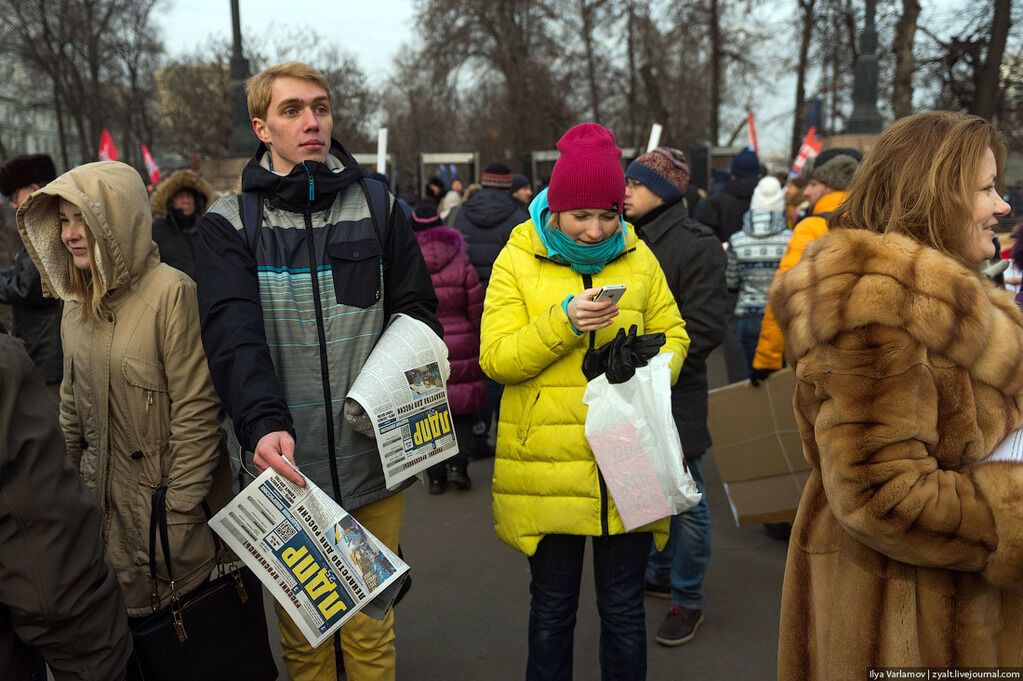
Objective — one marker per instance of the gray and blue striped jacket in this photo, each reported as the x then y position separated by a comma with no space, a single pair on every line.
288,321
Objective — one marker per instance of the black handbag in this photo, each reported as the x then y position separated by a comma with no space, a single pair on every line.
217,632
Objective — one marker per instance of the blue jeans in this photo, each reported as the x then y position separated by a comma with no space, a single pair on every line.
684,559
749,335
556,569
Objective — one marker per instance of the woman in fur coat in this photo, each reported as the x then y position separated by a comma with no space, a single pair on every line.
907,549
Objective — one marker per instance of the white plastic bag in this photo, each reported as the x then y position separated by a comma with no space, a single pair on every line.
634,439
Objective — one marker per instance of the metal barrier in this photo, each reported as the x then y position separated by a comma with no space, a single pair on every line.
369,160
468,161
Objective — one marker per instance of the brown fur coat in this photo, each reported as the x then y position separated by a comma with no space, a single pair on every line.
907,550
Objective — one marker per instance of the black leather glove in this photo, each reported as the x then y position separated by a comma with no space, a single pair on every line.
758,375
620,357
595,359
619,365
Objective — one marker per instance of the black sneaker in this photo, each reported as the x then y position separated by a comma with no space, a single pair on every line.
679,626
657,590
437,486
779,531
458,477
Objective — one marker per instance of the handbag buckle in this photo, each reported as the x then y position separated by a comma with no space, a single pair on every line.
179,623
243,595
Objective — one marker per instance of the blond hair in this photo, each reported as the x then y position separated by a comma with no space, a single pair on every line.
82,283
258,87
919,179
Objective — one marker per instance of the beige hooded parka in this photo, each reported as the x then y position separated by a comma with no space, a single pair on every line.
138,408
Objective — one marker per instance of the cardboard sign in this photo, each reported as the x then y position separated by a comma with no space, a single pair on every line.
758,449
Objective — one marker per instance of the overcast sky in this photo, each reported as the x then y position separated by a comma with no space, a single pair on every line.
374,30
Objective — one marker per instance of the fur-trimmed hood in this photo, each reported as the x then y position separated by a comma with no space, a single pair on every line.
853,278
116,209
181,179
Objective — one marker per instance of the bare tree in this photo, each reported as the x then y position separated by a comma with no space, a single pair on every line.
967,67
834,45
84,48
988,73
807,20
630,46
716,68
512,41
183,127
588,10
902,46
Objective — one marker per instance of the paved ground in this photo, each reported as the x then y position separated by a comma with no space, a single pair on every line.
466,615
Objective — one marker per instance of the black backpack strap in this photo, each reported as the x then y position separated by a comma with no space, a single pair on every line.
250,207
376,196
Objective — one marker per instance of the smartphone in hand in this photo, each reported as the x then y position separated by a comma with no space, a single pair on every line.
612,292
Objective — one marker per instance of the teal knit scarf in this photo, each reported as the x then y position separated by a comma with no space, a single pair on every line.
584,259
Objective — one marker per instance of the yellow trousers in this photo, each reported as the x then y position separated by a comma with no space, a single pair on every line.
367,643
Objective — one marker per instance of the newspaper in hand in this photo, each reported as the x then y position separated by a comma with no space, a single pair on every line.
403,389
319,563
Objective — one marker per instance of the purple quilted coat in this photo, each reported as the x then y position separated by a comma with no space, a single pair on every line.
459,309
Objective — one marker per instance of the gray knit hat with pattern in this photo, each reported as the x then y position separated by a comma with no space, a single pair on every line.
837,173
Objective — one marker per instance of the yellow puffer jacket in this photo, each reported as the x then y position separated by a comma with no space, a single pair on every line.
771,345
545,477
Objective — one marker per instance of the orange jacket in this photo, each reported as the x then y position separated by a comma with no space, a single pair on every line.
771,346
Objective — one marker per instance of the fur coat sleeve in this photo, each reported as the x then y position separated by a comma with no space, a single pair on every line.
871,396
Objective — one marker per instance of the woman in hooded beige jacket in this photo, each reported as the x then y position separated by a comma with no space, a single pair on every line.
137,408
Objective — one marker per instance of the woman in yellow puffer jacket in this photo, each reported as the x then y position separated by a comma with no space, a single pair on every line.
538,321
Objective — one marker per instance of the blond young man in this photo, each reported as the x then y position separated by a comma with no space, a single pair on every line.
291,308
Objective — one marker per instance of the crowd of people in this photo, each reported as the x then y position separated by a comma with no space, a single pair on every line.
157,332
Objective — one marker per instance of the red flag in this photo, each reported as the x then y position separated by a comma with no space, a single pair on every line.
810,148
151,167
751,131
107,149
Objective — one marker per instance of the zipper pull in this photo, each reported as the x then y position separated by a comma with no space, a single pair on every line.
312,186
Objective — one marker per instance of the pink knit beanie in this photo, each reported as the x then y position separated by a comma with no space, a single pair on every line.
588,174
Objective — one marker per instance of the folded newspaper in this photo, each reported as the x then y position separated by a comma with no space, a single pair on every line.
403,388
319,563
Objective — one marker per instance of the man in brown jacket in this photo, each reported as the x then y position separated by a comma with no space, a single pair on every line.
59,600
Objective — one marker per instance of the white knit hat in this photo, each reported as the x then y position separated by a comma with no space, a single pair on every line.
768,195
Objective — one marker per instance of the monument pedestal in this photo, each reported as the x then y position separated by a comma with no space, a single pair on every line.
861,142
225,175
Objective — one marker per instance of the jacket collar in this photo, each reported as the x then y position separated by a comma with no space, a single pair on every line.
830,201
852,279
291,191
655,224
